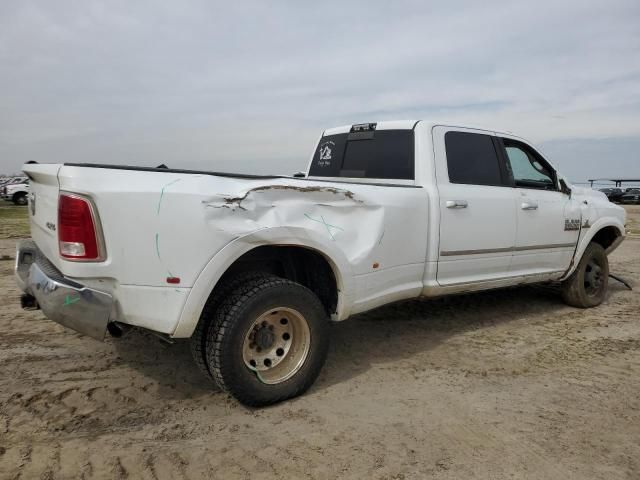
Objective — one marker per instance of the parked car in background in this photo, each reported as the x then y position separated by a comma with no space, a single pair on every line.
613,194
15,192
11,180
632,195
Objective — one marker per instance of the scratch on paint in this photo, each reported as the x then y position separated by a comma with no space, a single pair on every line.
162,192
381,237
328,226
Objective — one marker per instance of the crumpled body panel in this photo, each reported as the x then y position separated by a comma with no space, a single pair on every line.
327,213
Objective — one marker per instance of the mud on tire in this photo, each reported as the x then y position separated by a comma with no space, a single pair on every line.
587,286
198,341
248,325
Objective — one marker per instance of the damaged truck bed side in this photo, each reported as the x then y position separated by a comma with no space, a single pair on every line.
252,268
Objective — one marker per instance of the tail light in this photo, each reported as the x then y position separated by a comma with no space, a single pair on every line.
79,237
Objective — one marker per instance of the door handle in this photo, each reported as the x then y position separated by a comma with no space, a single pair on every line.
456,204
529,205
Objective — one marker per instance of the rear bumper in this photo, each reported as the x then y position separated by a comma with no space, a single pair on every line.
62,300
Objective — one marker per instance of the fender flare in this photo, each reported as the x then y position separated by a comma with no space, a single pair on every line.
591,232
276,236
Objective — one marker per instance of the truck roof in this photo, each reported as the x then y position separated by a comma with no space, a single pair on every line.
408,125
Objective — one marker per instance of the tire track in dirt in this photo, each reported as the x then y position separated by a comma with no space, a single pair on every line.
499,384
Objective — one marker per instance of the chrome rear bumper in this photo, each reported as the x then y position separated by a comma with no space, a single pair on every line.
62,300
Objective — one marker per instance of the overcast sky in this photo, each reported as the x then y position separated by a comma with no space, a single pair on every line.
249,86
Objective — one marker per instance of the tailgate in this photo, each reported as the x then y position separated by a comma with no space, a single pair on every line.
43,206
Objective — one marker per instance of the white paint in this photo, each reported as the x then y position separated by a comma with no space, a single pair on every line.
194,226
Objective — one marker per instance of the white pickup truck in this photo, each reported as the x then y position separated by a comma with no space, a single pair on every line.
15,192
252,268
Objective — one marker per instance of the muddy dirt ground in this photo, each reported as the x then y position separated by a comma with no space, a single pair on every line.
506,384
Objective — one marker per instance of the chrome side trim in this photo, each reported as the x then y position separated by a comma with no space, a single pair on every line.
544,247
450,253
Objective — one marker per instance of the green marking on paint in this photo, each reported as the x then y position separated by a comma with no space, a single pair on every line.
158,253
328,226
255,370
70,301
162,192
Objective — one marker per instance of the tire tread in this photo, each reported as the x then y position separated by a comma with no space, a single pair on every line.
573,288
198,343
225,315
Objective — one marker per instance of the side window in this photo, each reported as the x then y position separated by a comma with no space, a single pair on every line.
529,169
472,159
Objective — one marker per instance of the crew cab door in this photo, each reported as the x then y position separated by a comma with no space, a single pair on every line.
548,221
477,207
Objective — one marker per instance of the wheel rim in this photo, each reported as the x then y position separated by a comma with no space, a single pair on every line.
277,344
593,278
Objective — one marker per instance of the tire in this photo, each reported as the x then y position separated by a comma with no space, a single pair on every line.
20,199
198,341
268,342
587,286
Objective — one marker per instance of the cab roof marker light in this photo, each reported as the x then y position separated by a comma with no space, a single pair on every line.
363,127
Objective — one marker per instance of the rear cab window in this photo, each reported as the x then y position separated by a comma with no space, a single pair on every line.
365,152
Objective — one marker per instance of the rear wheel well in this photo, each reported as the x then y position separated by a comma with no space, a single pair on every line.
606,236
301,265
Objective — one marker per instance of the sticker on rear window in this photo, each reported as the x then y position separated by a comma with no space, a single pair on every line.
326,149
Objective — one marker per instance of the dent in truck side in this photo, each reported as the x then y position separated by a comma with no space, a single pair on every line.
179,227
352,231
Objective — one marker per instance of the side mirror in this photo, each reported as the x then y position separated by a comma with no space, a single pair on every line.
564,188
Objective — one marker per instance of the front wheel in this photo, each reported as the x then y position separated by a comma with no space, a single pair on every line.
268,341
587,286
